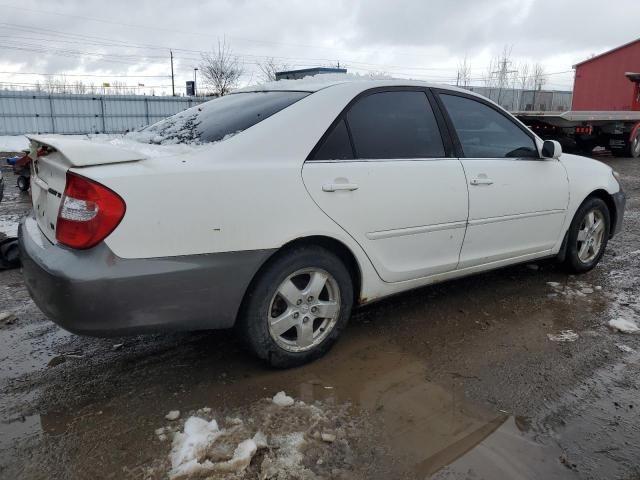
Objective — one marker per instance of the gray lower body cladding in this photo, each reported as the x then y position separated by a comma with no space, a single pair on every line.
95,292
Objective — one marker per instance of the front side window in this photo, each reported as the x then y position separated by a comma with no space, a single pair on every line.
486,133
219,118
398,124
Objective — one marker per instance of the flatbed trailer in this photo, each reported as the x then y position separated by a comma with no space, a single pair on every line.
582,131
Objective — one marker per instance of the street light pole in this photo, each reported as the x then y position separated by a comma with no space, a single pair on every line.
195,72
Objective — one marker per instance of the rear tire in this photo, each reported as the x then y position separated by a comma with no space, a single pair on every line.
23,183
297,307
588,235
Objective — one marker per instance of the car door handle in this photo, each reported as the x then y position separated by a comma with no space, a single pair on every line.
334,187
481,181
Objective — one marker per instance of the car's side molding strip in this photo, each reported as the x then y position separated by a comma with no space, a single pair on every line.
506,218
400,232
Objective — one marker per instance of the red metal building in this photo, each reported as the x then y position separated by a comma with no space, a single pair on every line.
609,81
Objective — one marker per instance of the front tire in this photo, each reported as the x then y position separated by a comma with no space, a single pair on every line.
634,146
297,307
588,235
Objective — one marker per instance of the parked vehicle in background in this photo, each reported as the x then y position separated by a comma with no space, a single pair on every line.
298,201
605,108
21,165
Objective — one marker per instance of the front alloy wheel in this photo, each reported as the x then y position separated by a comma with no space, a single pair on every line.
588,235
635,146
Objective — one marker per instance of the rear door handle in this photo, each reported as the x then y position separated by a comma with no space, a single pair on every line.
334,187
481,181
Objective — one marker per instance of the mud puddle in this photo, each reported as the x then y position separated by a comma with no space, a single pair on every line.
384,417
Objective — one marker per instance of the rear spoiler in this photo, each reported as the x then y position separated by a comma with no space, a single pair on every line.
80,152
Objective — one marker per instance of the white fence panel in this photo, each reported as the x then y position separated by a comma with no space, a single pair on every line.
36,112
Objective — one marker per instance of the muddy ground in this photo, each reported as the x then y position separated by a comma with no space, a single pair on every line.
459,380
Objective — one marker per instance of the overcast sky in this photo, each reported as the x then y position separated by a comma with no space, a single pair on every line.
129,41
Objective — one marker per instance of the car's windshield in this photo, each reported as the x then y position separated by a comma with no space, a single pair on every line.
218,119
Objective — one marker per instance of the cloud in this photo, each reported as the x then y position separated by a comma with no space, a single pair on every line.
409,38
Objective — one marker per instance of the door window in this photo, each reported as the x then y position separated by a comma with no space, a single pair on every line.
397,124
486,133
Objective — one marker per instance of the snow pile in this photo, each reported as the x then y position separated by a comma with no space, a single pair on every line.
624,325
282,399
13,143
191,447
263,441
563,337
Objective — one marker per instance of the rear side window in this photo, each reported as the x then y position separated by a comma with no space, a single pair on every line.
336,145
398,124
219,118
486,133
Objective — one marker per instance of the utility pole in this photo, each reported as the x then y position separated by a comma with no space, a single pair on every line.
195,73
173,86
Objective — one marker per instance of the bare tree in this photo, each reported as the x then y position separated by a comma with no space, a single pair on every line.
269,67
221,69
538,77
464,73
79,87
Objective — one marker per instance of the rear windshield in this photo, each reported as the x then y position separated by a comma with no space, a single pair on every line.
218,119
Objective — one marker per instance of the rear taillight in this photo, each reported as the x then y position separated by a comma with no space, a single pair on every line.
88,213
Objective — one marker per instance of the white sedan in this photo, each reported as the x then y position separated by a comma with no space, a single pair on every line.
276,210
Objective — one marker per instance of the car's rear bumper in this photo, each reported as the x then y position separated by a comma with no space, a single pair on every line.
95,292
619,199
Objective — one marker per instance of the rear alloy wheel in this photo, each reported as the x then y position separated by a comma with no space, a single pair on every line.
304,310
297,307
588,235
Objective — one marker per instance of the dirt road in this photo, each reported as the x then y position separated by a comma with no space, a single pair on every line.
511,374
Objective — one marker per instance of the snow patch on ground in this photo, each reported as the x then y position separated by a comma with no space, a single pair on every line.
173,415
9,225
624,325
572,290
263,441
13,143
563,337
625,348
282,399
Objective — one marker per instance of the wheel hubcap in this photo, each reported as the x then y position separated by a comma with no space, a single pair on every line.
590,236
304,309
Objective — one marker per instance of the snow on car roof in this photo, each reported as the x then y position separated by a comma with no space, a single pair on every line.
319,82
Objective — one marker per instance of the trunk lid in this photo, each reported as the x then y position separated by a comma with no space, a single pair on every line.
49,171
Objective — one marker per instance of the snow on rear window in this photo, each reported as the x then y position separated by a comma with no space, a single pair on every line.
218,119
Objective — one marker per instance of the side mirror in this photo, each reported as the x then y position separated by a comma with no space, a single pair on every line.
551,149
